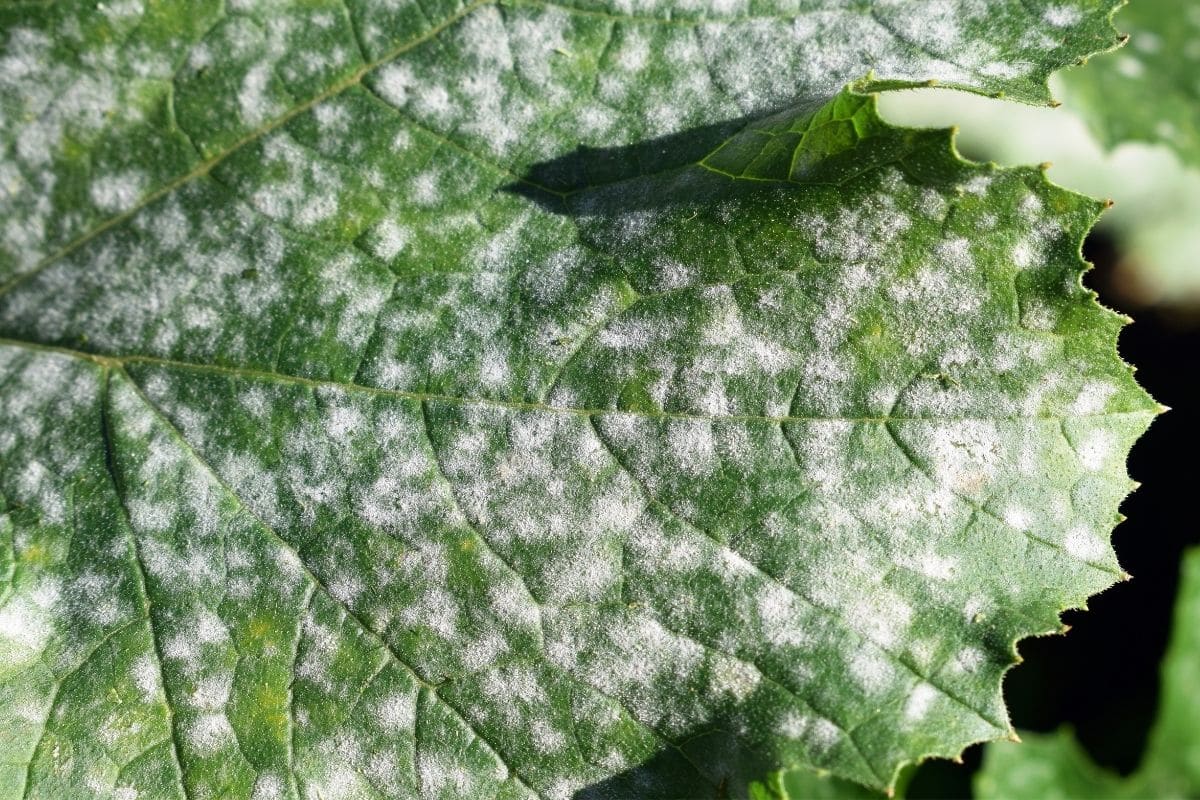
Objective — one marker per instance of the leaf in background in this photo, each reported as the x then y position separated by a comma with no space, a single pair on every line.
529,400
1146,91
1055,766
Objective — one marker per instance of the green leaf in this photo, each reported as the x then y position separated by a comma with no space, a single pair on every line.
1157,198
531,400
806,784
1055,766
1147,90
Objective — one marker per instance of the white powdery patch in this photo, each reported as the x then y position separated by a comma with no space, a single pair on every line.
208,628
23,623
346,588
1018,518
824,448
393,82
938,567
437,610
146,678
730,348
1038,316
254,102
184,649
793,725
395,713
1085,544
209,733
663,554
361,293
483,651
920,702
531,38
1097,449
636,334
859,235
872,672
822,734
735,678
494,369
1023,254
585,575
634,52
546,738
969,659
117,192
1093,397
442,775
338,781
691,445
511,603
955,254
880,616
779,612
1062,16
268,787
642,652
212,692
965,456
389,239
818,733
932,205
978,185
976,609
40,488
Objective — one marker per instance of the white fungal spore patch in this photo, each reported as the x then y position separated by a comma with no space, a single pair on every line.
411,406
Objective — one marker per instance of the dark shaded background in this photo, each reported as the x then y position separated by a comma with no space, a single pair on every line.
1102,678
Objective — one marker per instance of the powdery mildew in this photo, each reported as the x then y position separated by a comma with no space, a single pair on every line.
355,475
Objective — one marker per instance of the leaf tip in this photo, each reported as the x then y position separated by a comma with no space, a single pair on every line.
1013,737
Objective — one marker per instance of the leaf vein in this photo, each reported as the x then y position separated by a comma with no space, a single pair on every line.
831,612
312,577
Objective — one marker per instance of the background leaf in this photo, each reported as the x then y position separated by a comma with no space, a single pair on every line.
1146,91
1055,766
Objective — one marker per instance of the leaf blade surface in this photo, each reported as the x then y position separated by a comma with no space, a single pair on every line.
417,456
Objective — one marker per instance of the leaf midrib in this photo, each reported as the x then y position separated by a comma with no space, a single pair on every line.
120,362
435,688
